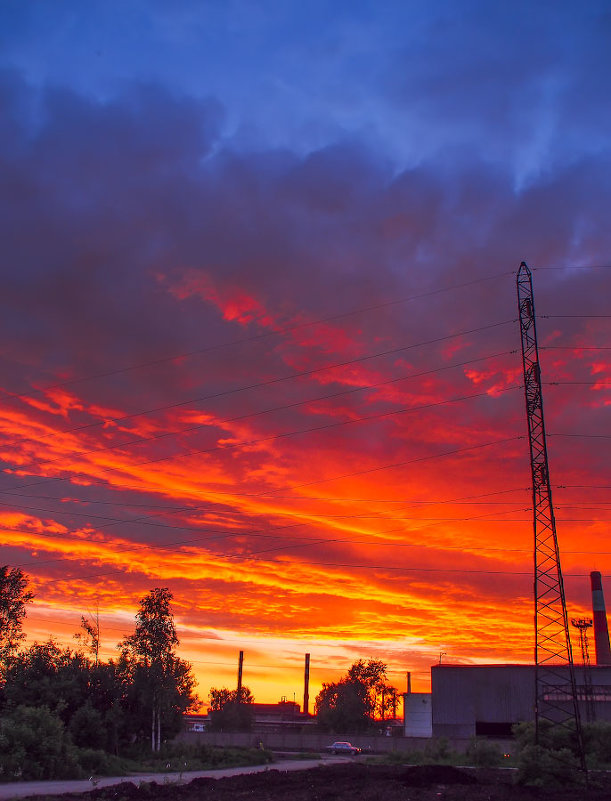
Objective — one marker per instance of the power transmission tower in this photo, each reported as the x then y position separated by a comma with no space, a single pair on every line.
556,699
582,624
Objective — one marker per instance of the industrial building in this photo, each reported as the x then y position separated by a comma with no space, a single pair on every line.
487,700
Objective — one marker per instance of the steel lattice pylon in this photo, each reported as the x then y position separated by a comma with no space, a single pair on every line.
556,699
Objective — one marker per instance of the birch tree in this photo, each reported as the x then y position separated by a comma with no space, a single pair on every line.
164,681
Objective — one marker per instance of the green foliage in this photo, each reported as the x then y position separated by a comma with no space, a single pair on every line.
87,727
48,675
227,712
14,596
438,752
66,714
597,743
550,762
355,702
484,754
95,761
544,767
343,707
159,686
179,757
32,744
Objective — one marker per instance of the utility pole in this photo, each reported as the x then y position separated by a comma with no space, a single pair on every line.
556,698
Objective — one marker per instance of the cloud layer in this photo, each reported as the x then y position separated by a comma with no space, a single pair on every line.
285,382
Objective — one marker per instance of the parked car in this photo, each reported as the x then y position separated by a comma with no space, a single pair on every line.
344,748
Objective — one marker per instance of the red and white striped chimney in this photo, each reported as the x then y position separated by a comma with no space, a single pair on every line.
599,614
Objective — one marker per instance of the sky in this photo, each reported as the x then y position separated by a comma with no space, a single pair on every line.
258,320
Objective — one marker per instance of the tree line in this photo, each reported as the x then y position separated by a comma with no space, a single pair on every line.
68,696
138,698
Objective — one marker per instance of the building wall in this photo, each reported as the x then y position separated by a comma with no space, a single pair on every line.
313,741
418,716
469,700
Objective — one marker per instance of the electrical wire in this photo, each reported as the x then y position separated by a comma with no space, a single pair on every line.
265,335
342,393
291,376
272,437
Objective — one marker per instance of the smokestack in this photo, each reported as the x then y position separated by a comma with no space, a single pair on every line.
409,682
306,686
240,665
599,614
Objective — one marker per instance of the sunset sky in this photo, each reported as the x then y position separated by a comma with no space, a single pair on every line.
258,322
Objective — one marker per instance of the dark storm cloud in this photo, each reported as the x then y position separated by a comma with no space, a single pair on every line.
110,206
522,85
92,195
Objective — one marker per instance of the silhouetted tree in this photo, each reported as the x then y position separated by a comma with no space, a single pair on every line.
14,596
160,681
90,635
45,674
227,712
356,701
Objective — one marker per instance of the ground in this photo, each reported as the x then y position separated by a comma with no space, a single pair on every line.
354,782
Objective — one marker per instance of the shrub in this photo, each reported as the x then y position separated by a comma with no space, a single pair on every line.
597,742
438,751
92,760
483,753
550,762
32,744
544,767
87,728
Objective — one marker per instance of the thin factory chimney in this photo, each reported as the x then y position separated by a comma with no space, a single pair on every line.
599,614
306,686
240,665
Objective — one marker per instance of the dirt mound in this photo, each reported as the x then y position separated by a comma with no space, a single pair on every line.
427,775
351,781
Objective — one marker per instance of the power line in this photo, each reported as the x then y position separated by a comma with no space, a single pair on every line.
273,437
217,423
352,390
406,501
575,267
301,374
211,535
588,436
408,461
462,571
574,347
296,486
267,334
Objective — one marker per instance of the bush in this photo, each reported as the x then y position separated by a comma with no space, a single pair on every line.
543,767
180,756
93,760
438,752
32,744
550,762
87,728
483,753
597,742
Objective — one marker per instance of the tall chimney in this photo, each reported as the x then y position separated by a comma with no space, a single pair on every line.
599,614
306,686
240,668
